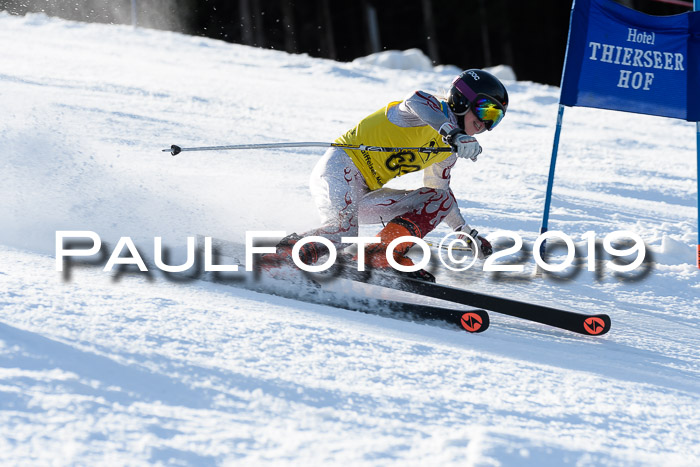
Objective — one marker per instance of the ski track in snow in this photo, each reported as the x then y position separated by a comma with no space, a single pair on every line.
138,369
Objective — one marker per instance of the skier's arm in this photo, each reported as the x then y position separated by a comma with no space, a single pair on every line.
420,108
423,108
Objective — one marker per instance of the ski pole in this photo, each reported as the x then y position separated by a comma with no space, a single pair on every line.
442,247
175,149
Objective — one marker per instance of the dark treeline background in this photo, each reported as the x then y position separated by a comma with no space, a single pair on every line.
530,36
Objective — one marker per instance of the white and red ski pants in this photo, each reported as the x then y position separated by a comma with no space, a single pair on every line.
345,201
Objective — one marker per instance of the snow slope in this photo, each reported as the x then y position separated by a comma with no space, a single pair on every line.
137,369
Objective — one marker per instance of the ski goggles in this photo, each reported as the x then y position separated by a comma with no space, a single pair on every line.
489,111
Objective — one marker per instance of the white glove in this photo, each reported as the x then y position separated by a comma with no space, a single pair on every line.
462,144
480,246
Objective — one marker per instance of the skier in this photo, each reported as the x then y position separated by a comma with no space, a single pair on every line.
347,184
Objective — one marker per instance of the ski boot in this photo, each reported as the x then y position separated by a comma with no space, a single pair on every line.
308,254
375,254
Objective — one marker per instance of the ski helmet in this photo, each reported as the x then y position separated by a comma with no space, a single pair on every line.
481,92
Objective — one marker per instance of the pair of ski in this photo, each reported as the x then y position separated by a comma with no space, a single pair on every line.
466,309
477,319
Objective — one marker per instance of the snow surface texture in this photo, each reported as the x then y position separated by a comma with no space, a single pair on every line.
138,369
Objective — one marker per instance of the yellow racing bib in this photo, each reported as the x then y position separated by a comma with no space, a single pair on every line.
380,167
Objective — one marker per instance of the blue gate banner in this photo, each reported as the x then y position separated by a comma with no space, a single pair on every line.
621,59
